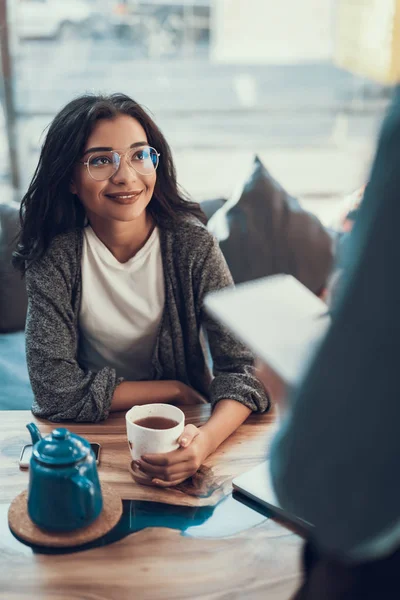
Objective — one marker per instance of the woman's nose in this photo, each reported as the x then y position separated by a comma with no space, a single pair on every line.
125,172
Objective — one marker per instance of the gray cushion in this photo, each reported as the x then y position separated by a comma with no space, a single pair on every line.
263,231
13,298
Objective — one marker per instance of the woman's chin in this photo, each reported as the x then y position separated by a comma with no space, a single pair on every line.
129,212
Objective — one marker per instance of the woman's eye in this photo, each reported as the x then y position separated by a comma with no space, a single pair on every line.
141,155
100,161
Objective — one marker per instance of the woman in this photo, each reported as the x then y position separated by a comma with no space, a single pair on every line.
117,264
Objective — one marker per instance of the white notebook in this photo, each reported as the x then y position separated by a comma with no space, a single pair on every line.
277,317
256,484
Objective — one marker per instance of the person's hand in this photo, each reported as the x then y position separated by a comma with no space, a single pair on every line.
274,385
171,468
188,396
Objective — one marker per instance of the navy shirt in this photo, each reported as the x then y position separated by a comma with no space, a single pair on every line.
335,461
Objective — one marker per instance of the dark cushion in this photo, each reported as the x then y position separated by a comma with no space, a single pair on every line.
263,231
209,207
13,298
15,390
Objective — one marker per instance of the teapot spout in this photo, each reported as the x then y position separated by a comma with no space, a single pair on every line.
35,433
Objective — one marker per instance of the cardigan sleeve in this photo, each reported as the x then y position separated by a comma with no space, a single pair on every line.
62,389
233,363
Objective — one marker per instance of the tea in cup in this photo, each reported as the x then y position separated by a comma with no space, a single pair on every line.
153,429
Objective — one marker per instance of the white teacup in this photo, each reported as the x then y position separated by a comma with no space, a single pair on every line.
149,440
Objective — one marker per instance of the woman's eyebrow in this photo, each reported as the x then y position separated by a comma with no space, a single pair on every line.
108,148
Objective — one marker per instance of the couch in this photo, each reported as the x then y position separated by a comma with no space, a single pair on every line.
262,230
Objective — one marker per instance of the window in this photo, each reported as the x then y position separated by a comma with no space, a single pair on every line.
225,79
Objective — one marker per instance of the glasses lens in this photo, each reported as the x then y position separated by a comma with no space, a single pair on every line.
103,165
144,160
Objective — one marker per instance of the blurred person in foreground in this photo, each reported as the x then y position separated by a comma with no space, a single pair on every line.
336,456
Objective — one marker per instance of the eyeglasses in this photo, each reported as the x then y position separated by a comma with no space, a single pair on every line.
102,165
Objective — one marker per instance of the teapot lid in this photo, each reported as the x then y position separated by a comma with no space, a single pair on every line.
61,447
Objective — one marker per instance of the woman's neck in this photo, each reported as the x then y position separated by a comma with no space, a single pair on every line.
123,240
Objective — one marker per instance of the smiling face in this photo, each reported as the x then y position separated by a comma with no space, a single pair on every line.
126,195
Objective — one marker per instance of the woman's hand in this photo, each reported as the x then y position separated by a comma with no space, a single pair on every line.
166,470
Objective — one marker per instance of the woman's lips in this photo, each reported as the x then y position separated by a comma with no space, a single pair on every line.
128,198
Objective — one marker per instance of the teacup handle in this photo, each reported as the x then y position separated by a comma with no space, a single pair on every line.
86,487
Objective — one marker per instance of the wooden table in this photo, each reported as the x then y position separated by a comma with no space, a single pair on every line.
207,545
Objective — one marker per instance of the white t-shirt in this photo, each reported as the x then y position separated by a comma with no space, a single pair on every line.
121,307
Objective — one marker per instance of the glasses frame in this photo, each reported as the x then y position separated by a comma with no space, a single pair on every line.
120,156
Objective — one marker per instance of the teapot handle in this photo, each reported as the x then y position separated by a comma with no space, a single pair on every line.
87,490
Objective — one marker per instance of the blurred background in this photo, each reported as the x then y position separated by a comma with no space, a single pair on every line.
224,79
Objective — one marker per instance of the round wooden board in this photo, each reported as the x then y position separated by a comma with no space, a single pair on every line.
21,524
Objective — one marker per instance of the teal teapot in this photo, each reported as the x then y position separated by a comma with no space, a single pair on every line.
64,489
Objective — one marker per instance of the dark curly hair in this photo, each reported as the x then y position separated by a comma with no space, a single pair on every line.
49,208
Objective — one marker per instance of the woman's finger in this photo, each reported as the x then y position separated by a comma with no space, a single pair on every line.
162,472
177,479
169,458
189,434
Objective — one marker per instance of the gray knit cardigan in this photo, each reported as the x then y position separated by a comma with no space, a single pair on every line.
193,266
